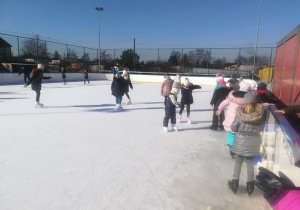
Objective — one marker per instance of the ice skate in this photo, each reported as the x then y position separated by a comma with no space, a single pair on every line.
212,127
165,129
179,118
129,101
233,185
174,128
39,105
250,188
188,119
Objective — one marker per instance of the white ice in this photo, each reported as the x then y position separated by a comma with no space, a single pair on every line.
79,153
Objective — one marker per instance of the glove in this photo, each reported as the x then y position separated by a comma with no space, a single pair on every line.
275,188
179,105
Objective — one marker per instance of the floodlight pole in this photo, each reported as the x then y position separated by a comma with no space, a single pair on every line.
99,9
254,60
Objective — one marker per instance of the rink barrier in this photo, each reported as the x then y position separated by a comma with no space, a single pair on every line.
282,146
14,78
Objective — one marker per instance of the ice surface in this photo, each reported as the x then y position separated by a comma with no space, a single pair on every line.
79,153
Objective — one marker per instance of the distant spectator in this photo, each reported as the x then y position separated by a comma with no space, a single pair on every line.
86,76
63,75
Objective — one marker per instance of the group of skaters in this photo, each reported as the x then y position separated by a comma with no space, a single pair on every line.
244,121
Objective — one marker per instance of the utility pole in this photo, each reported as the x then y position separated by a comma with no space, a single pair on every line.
254,60
99,9
134,54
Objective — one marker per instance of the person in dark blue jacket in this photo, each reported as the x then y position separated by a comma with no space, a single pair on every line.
118,89
220,93
187,98
26,73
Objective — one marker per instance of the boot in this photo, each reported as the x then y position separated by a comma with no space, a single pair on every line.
250,187
174,128
188,119
221,127
233,185
129,101
179,118
117,107
212,127
39,105
165,129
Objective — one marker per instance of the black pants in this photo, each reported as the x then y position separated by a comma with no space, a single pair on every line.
38,94
216,121
25,78
188,109
127,95
86,78
169,113
165,100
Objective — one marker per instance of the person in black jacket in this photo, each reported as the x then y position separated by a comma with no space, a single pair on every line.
118,89
128,84
63,75
187,98
36,83
220,93
26,74
86,76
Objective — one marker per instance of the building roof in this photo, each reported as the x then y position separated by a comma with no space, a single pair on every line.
4,44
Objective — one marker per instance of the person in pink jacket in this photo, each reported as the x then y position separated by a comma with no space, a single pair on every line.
233,101
166,86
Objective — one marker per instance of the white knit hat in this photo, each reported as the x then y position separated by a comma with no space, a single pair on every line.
124,72
244,86
219,79
40,66
253,85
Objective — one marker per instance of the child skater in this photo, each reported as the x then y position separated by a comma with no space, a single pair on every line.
170,107
36,81
248,123
187,98
63,75
118,89
127,83
86,76
234,100
220,93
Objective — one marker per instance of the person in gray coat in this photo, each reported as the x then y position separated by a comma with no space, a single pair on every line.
248,123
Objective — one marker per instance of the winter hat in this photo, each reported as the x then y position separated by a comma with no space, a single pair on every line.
176,85
262,86
118,74
218,74
244,86
253,85
220,79
251,97
124,72
40,66
186,82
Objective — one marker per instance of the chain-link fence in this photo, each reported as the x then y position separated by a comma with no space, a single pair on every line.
16,51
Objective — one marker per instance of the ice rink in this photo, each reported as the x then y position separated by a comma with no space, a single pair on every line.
79,153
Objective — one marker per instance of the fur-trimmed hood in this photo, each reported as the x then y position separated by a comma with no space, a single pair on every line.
252,117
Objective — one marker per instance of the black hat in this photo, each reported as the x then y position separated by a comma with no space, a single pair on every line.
262,86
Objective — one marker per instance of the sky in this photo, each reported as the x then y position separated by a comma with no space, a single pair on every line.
153,23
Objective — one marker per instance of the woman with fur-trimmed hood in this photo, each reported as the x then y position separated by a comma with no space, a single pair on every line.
248,123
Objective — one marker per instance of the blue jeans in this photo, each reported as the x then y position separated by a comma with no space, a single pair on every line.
118,99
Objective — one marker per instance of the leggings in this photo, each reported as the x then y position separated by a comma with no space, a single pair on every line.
238,165
127,95
118,99
188,109
38,94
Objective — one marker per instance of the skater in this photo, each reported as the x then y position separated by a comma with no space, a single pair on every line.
220,94
35,81
234,100
219,78
248,123
166,86
118,89
233,83
170,107
63,75
86,76
26,74
113,70
127,80
187,98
